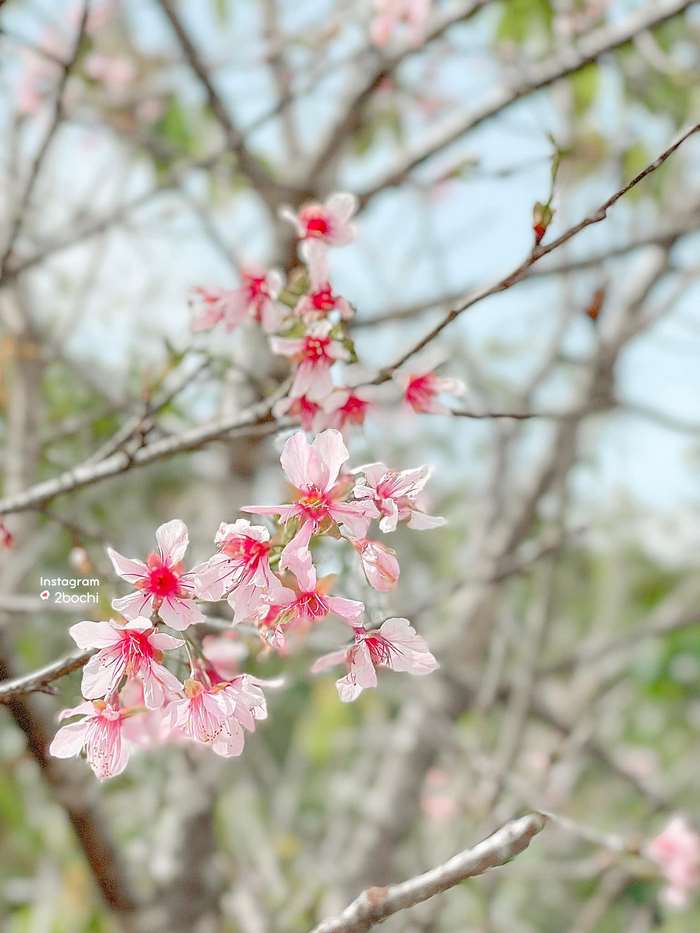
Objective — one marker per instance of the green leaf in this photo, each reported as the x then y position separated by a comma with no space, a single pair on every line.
584,84
523,18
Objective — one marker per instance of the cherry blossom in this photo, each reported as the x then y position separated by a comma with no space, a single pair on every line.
256,298
242,559
130,650
113,72
328,222
99,732
395,645
247,704
396,494
421,391
162,584
201,714
321,300
305,409
223,654
309,601
379,563
314,354
313,471
390,15
676,850
346,406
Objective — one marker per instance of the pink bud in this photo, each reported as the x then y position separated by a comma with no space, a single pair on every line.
379,564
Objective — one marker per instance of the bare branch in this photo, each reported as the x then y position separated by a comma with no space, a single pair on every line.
38,680
376,904
537,253
588,49
254,421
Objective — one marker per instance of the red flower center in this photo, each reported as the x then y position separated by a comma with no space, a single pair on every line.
354,410
249,551
315,350
323,299
314,503
316,225
311,606
162,580
380,649
420,391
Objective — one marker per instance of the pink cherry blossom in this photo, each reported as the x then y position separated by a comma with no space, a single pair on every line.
321,300
162,584
390,15
247,705
347,406
395,645
421,391
379,563
305,409
328,222
130,650
676,850
7,539
396,494
314,354
313,471
99,732
242,559
256,298
309,601
114,72
201,714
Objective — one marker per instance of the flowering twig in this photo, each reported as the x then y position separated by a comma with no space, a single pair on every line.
537,253
376,904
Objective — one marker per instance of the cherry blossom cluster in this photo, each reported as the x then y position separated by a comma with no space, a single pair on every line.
268,576
311,329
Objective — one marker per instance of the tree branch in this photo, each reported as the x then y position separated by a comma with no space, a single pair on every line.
39,680
560,65
376,904
536,254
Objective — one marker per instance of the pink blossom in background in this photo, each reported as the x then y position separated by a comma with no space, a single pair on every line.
379,563
99,732
162,584
255,298
321,300
302,407
437,801
328,222
313,469
314,354
223,654
395,645
421,390
114,72
396,495
676,850
390,16
130,650
7,539
347,406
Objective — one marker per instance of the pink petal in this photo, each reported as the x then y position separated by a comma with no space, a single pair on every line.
327,661
93,635
127,568
69,740
301,463
349,609
134,605
180,613
333,452
172,538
